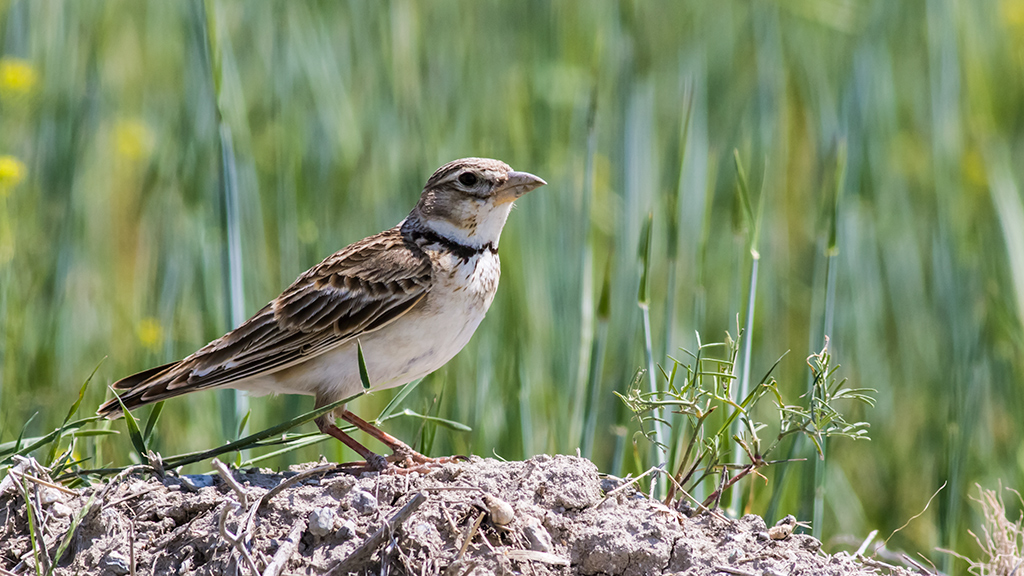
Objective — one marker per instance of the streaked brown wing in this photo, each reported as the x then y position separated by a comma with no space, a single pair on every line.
360,289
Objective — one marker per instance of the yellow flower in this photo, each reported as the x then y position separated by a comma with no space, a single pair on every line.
17,77
133,138
1013,13
12,172
150,333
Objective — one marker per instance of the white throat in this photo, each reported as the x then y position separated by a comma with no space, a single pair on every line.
477,228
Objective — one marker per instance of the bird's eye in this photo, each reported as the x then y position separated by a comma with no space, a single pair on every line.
468,179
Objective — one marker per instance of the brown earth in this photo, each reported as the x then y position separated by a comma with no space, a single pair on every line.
545,516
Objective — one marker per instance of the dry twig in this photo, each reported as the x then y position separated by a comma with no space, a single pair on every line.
287,548
295,480
364,552
236,540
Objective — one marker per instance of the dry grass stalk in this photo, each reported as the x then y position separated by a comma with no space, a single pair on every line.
1001,540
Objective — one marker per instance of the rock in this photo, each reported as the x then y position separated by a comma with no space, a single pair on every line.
609,483
537,535
347,530
363,502
807,542
501,512
50,495
61,510
321,521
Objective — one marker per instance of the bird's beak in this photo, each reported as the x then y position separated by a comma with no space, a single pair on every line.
518,183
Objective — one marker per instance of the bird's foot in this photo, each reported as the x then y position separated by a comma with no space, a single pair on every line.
403,459
410,460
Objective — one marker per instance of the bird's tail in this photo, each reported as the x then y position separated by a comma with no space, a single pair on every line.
140,389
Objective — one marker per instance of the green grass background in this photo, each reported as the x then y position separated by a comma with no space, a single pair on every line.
113,241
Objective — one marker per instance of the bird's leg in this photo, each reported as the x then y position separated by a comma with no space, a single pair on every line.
402,452
375,461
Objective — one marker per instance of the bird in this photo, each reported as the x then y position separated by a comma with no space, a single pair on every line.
408,298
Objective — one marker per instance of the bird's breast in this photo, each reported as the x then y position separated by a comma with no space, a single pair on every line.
414,345
466,282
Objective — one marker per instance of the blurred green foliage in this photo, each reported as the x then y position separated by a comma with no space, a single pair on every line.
112,225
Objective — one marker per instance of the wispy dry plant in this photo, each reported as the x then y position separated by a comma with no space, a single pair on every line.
1001,541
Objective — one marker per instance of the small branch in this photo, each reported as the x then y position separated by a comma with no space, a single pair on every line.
130,496
229,479
469,536
19,475
237,541
39,526
287,548
365,551
735,571
729,483
131,549
867,542
627,485
878,564
295,480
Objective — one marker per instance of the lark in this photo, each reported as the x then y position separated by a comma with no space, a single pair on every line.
410,297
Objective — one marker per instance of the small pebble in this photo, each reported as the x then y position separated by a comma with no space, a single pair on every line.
685,508
537,535
49,496
321,521
808,542
60,510
609,483
762,536
363,501
501,512
347,530
114,563
199,480
423,532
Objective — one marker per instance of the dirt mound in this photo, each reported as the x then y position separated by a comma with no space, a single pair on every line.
547,515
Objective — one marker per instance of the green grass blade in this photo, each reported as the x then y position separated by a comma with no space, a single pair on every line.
30,515
138,442
71,412
450,424
398,399
241,425
66,540
250,440
154,417
298,443
14,447
597,356
364,374
643,295
21,435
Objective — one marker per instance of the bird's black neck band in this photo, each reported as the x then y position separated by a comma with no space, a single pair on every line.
462,251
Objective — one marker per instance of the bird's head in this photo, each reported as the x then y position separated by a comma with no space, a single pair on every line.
468,200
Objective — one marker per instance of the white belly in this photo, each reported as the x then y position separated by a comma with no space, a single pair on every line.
414,345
